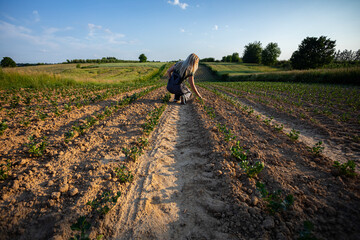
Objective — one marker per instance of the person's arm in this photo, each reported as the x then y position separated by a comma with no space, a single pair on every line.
193,87
170,70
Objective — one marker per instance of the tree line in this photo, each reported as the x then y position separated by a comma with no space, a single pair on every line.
312,53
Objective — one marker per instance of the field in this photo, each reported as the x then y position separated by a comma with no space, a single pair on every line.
117,160
236,69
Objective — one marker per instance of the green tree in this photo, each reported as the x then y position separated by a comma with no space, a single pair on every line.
142,58
270,53
7,62
235,57
252,53
313,53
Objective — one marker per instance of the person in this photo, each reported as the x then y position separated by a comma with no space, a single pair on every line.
178,73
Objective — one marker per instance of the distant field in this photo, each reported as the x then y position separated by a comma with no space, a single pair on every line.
236,69
104,73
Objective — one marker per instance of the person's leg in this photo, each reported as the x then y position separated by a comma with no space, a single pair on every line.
177,97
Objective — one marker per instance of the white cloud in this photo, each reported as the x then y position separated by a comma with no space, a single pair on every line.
97,32
182,30
178,3
36,16
216,27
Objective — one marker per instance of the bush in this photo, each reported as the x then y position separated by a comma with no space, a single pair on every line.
7,62
270,54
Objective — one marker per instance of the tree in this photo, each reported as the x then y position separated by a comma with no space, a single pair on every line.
313,53
270,54
235,57
142,58
7,62
252,53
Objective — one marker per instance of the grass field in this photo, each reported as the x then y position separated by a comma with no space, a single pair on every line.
236,69
100,73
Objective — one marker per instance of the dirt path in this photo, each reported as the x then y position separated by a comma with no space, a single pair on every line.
174,195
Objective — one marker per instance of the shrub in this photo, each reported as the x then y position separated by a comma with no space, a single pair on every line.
7,62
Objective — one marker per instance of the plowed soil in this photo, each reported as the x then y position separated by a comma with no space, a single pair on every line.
186,185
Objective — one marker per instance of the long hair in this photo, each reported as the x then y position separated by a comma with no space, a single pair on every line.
191,64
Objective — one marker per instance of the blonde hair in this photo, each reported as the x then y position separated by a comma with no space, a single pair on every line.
190,65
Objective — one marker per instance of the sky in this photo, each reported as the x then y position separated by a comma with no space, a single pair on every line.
164,30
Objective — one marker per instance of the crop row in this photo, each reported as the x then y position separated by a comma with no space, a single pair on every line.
341,102
347,169
105,201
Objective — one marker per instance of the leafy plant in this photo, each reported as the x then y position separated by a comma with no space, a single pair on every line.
36,149
42,116
252,170
317,149
68,135
81,225
123,174
210,111
67,107
228,135
143,142
347,169
104,202
133,153
3,126
276,201
238,152
4,169
166,98
268,120
294,135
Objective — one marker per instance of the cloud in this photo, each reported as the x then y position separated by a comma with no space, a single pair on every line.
178,3
216,27
182,30
36,16
97,32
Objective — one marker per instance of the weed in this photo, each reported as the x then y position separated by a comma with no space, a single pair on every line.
293,135
317,149
81,225
4,169
36,149
306,233
347,169
3,126
276,201
104,202
123,174
166,98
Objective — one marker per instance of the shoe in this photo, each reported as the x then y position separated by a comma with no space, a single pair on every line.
182,100
176,100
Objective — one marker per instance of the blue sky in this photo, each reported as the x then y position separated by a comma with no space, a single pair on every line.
53,31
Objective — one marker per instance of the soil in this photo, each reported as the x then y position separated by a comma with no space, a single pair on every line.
186,185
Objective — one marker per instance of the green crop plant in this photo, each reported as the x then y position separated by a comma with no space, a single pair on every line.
42,116
123,174
251,170
210,111
316,149
347,169
238,152
143,142
25,121
105,202
268,120
69,135
133,153
82,226
293,135
4,169
166,98
276,201
278,127
68,107
27,100
306,232
15,101
3,126
36,149
228,135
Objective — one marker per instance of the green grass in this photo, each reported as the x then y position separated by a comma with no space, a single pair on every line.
236,69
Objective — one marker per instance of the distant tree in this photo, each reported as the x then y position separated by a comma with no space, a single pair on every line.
252,53
8,62
235,57
210,59
270,54
313,53
142,58
228,58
